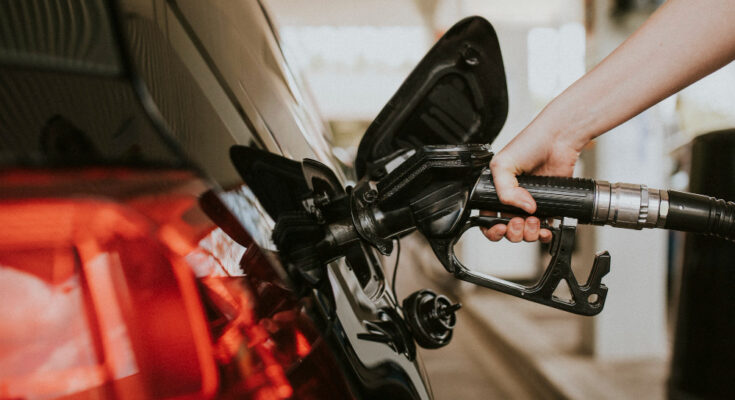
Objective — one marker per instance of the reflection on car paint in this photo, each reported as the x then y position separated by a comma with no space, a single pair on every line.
242,203
216,255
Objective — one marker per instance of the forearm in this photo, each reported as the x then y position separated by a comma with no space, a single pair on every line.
682,42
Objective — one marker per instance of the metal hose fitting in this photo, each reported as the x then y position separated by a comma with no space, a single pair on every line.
630,206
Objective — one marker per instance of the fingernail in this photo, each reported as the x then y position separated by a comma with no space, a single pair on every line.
527,206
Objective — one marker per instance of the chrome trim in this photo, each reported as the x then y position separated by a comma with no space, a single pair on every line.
654,206
625,205
601,202
643,210
663,210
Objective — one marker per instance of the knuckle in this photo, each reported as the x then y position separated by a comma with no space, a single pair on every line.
496,162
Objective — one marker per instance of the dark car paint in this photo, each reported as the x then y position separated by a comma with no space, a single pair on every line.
149,108
375,369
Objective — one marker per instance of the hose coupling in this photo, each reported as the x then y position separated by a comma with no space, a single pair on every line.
626,205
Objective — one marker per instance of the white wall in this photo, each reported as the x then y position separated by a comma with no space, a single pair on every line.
633,323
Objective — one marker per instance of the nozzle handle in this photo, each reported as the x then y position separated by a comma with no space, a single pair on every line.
555,196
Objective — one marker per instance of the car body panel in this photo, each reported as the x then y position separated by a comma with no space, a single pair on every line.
190,80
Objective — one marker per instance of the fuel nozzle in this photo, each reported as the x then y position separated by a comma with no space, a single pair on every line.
430,317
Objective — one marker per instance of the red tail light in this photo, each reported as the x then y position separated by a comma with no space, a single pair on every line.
98,297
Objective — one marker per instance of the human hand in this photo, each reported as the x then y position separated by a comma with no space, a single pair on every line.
678,45
537,152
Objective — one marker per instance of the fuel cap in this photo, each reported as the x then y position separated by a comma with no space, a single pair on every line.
431,318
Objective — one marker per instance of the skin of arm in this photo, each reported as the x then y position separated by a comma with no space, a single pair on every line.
683,41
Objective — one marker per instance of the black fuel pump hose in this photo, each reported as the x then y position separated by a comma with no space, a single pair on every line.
616,204
697,213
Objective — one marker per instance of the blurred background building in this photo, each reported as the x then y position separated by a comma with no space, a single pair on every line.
352,56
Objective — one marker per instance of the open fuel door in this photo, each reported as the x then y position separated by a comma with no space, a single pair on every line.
457,94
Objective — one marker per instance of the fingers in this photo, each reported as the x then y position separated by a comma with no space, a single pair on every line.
545,236
513,231
533,232
531,229
506,183
495,233
518,229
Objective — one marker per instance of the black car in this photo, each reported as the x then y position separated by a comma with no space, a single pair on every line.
147,148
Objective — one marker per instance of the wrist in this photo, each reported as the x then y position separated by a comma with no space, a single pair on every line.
565,126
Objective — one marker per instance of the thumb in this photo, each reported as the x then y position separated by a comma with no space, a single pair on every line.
506,183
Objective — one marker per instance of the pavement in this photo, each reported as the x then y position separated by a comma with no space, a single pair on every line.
508,348
546,344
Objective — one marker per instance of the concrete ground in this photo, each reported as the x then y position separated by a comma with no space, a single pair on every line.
508,348
470,367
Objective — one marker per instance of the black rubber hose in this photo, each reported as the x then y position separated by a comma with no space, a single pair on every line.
697,213
555,196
